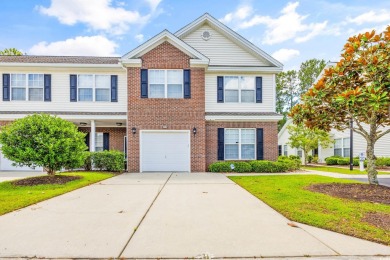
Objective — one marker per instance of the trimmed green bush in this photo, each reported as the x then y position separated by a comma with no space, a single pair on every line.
331,160
220,167
382,161
88,162
315,159
242,167
294,157
309,158
355,162
269,166
282,157
343,161
108,160
293,164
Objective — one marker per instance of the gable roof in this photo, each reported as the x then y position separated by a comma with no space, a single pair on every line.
157,40
229,33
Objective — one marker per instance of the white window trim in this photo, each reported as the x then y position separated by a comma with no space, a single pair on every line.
93,88
342,145
26,87
96,139
285,150
166,83
239,89
239,144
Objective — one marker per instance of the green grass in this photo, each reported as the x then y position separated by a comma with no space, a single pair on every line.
287,195
16,197
338,170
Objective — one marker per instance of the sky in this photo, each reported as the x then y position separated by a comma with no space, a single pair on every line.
290,31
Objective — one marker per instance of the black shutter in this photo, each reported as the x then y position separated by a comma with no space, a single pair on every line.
144,83
187,83
220,89
259,89
47,87
87,140
114,88
106,141
73,88
260,144
221,144
6,87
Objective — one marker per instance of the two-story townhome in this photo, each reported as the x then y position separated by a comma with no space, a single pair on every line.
178,102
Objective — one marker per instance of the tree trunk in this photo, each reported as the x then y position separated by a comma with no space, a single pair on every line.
50,172
371,167
306,154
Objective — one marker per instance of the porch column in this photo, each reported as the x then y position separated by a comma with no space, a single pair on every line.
93,134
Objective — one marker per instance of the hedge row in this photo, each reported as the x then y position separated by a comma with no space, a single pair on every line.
338,160
283,164
112,161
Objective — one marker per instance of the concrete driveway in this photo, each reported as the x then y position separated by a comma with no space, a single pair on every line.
160,215
14,175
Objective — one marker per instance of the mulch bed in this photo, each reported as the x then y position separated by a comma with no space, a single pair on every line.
378,219
57,179
354,191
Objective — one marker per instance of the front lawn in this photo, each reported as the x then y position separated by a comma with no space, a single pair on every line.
287,195
15,197
338,170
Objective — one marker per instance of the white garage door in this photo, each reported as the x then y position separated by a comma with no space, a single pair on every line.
6,165
165,151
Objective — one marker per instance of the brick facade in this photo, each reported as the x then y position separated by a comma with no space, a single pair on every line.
3,123
163,113
270,138
116,135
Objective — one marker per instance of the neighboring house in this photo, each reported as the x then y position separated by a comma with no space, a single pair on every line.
341,145
178,102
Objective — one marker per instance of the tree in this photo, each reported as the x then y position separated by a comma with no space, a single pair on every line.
357,88
307,139
44,141
308,73
11,52
286,93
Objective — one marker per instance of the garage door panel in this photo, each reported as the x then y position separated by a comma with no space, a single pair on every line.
165,151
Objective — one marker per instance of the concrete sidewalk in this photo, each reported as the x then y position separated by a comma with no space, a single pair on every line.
169,216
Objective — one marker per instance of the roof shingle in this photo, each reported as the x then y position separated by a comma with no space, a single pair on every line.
59,59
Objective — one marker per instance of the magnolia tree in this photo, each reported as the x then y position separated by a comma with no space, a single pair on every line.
307,139
44,141
356,88
11,52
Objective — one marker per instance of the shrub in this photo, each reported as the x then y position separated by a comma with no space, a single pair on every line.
343,161
242,167
309,158
294,157
355,162
112,160
282,157
331,160
268,166
220,167
315,159
382,161
293,164
88,162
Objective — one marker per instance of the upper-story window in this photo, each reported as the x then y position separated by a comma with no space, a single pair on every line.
239,89
165,83
94,87
27,87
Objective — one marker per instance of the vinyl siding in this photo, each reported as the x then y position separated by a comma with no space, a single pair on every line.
220,50
212,105
60,91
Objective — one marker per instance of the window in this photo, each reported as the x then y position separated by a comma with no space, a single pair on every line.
27,87
94,87
239,89
285,150
166,83
279,150
299,153
341,147
240,144
98,142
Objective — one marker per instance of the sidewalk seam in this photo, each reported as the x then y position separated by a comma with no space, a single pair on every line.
143,217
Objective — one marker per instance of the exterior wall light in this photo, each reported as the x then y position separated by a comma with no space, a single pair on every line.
83,123
118,124
194,130
134,130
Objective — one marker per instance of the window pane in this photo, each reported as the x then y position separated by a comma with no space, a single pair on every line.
85,94
102,95
35,80
231,151
231,136
247,96
337,143
285,150
175,90
248,136
103,81
156,76
338,151
18,80
346,152
175,76
18,94
35,94
248,151
231,95
231,82
346,142
85,81
300,153
99,141
156,91
247,82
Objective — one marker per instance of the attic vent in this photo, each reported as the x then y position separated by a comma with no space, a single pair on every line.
206,35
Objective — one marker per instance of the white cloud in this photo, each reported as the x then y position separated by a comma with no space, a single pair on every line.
99,15
284,55
241,13
139,37
371,17
289,25
79,46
